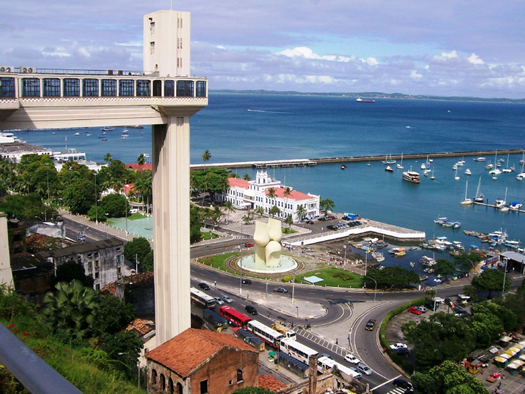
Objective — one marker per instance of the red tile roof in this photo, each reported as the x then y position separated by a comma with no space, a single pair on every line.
236,182
279,191
191,348
136,166
270,383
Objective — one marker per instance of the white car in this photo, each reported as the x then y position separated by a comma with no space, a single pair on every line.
397,346
352,359
227,299
219,300
364,369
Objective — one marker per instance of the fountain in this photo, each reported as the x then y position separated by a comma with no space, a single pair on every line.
267,258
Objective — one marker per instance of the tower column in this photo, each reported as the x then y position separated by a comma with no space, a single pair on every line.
171,218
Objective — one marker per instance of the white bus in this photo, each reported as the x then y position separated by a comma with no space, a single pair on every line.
327,365
267,334
202,298
297,350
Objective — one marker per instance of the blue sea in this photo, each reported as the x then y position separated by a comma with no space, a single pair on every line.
249,127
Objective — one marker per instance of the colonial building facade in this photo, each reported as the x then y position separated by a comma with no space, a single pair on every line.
257,193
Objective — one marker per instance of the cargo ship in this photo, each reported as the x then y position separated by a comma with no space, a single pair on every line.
360,100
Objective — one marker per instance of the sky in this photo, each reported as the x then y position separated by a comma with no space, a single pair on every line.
470,48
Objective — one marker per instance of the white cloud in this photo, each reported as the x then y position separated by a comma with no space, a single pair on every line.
474,59
445,57
415,75
307,53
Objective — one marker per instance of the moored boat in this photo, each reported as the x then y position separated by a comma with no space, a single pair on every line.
368,101
389,169
411,176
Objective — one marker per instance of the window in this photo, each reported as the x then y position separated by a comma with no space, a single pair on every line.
153,377
152,27
126,87
169,89
204,387
90,87
143,88
184,88
239,376
152,47
179,388
71,87
51,87
170,386
162,382
7,87
30,87
157,88
201,88
109,87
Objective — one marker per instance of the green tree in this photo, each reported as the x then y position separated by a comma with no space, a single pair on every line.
144,187
252,390
141,159
27,207
491,280
391,277
73,309
228,207
70,271
301,211
195,225
206,156
108,158
444,267
289,220
447,378
113,315
211,180
115,205
137,248
259,211
468,261
123,348
328,205
247,177
271,192
274,211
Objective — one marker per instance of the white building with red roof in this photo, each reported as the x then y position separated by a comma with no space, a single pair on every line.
253,194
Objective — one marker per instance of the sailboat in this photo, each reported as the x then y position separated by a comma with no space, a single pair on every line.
389,160
467,201
479,197
432,177
399,166
521,175
507,169
456,177
500,204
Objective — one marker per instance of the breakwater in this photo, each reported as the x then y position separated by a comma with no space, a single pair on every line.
353,159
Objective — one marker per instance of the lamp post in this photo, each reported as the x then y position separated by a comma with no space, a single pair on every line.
297,307
506,260
293,288
240,263
375,292
366,260
96,207
266,289
344,259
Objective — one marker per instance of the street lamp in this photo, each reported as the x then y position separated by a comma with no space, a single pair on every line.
96,208
375,292
297,307
366,260
293,287
344,259
506,260
240,263
266,289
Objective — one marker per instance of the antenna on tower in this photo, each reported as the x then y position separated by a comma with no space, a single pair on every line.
171,9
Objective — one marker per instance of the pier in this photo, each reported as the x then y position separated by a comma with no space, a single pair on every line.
494,206
349,159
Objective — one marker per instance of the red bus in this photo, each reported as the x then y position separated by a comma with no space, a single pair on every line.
233,316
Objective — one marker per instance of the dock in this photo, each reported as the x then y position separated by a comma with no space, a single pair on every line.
349,159
494,206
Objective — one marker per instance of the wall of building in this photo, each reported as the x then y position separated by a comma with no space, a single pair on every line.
6,275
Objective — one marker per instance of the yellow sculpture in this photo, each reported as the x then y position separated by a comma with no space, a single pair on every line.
267,238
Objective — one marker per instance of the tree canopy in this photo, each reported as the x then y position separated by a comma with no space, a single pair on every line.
138,248
391,277
491,280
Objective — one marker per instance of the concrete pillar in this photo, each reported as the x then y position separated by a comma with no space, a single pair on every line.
171,203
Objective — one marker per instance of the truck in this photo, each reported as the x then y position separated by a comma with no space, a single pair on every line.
370,325
284,330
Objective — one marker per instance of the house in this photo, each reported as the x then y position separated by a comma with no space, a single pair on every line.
254,194
31,276
102,260
199,361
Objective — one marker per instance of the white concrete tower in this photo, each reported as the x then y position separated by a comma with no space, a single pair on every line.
166,45
167,51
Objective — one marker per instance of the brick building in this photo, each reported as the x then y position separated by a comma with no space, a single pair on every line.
198,362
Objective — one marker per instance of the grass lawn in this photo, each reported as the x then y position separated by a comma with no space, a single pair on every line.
209,235
218,262
334,277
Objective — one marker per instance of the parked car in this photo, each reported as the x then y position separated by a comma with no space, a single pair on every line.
280,290
247,281
248,245
414,310
422,309
227,299
364,369
251,310
331,217
204,286
219,300
398,345
402,383
326,355
350,358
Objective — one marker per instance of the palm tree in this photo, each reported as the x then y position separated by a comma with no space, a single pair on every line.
327,205
259,211
141,159
301,211
108,158
275,210
228,207
271,192
289,220
206,156
247,177
73,309
287,194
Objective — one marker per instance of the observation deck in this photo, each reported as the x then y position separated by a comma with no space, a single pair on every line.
33,98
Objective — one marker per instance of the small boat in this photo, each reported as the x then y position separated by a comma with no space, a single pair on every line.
495,171
104,139
125,131
102,135
468,172
88,135
401,252
432,177
411,176
467,201
480,159
106,129
389,169
412,264
456,177
515,205
423,278
389,160
360,100
343,167
378,256
399,166
499,203
441,220
124,137
77,133
489,166
479,196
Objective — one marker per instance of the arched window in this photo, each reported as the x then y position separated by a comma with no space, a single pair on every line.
153,377
170,386
162,382
179,388
239,376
